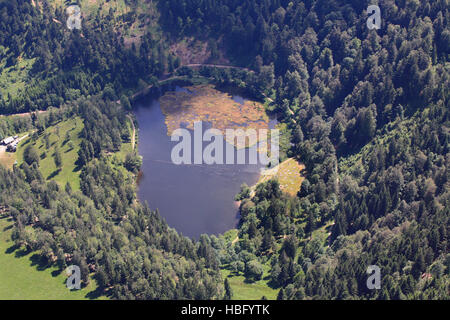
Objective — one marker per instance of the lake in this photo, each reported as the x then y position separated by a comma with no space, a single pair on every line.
193,199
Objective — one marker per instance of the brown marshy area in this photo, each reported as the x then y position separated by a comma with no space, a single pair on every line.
207,104
288,174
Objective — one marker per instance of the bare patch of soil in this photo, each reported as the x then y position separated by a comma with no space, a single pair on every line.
191,51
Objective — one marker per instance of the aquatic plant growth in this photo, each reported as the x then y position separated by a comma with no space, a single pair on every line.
207,104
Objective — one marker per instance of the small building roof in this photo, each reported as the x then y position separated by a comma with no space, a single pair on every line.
8,140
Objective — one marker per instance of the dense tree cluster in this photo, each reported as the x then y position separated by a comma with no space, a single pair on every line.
105,128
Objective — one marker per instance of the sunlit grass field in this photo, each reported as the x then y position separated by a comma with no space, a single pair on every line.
288,175
23,277
243,290
69,171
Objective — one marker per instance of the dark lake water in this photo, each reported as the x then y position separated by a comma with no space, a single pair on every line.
194,199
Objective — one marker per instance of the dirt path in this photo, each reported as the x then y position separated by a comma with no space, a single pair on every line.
2,151
23,114
133,137
220,66
168,77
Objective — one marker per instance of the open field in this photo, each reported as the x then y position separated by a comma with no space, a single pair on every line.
23,277
288,175
146,13
243,290
7,159
69,172
92,6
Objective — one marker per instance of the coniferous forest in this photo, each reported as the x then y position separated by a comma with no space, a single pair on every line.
366,111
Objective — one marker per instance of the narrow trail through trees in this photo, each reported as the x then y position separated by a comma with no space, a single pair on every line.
133,136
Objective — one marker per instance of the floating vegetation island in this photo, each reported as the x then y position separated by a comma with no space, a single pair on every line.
205,103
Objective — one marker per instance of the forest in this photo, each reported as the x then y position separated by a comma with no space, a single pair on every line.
69,65
367,112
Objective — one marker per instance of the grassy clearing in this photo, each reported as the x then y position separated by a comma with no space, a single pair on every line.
323,233
92,6
7,159
69,172
146,12
127,147
117,159
243,290
23,277
288,175
14,79
231,235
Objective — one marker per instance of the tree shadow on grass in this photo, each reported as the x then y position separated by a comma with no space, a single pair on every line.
39,262
233,273
56,272
250,281
91,295
77,168
95,294
54,174
11,249
6,217
27,141
19,253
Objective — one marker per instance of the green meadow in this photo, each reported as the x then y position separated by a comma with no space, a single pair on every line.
14,79
24,277
68,149
244,290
